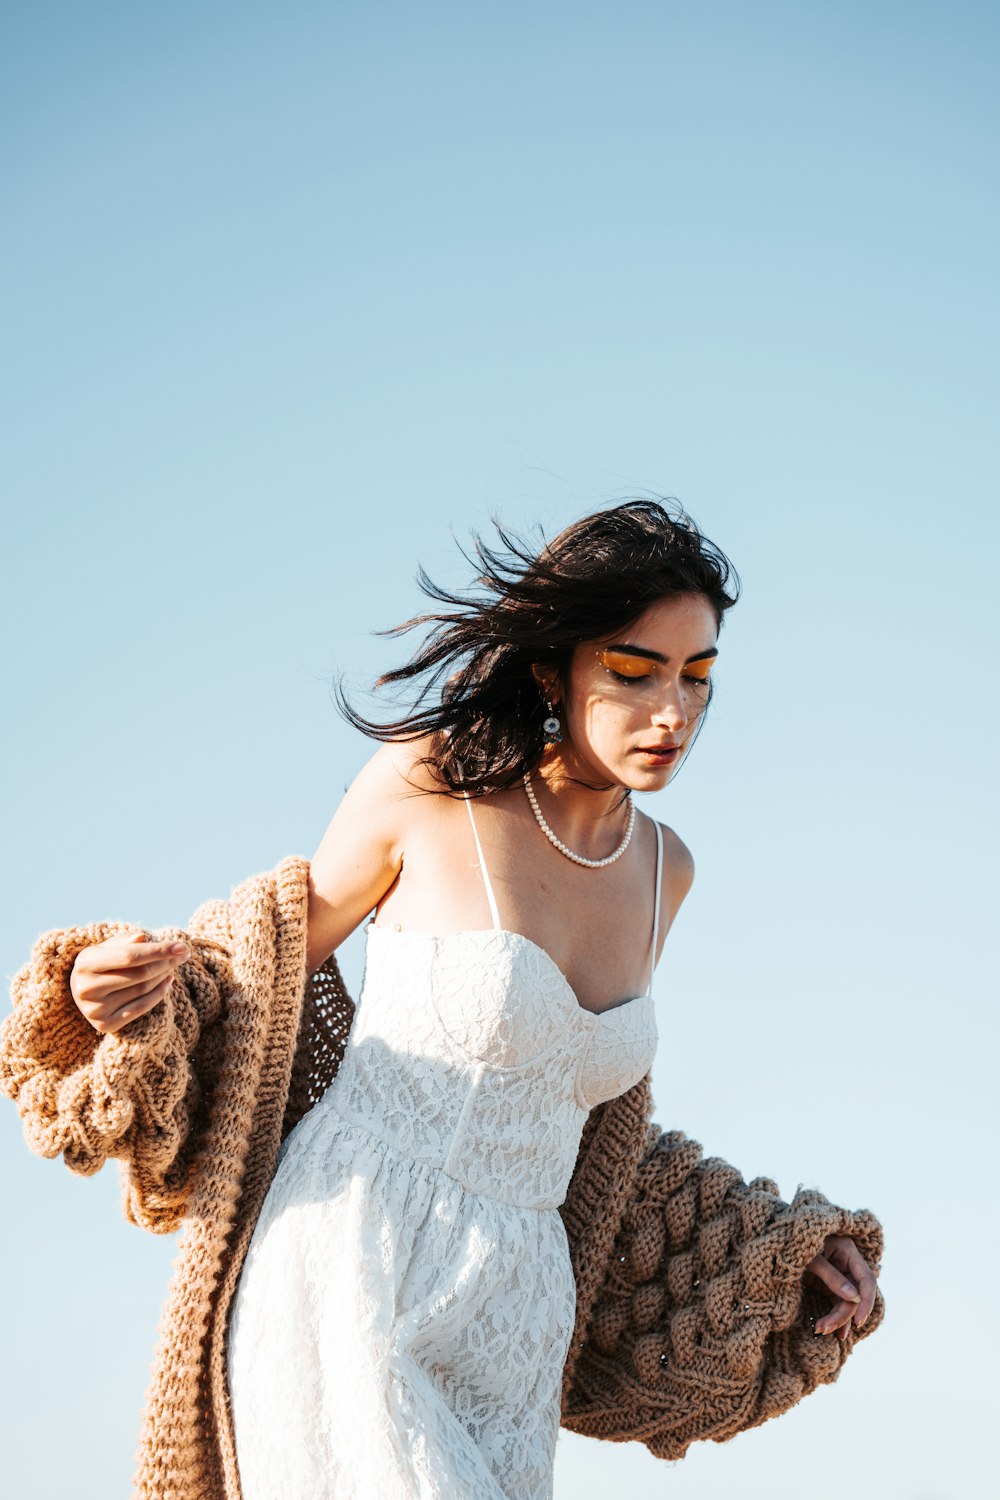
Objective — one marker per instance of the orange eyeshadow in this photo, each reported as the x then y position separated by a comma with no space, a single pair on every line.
628,666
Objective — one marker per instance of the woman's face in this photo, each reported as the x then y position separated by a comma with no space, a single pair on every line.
639,692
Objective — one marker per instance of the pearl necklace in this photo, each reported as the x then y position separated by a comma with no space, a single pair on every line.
593,864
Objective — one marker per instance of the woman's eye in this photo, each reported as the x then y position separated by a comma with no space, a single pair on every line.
625,668
700,682
629,669
631,676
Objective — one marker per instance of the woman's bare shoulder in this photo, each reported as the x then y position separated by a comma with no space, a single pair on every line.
404,767
678,864
391,794
361,852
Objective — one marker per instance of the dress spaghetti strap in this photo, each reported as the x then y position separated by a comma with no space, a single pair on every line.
494,910
482,866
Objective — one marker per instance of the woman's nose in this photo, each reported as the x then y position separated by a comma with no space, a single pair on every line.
671,710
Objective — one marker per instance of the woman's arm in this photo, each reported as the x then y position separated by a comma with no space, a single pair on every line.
704,1324
143,1091
361,853
678,878
141,1094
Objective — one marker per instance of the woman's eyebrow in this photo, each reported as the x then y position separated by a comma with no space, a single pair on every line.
630,650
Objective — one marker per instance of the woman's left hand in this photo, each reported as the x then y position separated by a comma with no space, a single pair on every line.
842,1269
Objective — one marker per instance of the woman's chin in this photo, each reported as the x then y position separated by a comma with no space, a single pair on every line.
644,772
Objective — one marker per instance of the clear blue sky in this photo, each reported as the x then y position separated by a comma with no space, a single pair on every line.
293,298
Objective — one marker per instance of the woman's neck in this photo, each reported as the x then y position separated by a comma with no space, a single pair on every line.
586,811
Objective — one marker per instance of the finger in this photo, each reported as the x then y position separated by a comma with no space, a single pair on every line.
105,992
119,967
846,1256
137,950
138,1006
833,1278
864,1276
869,1291
844,1253
850,1258
100,994
119,985
839,1314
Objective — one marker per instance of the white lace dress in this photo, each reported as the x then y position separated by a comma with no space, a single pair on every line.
402,1317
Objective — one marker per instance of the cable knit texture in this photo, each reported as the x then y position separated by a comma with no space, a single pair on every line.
693,1319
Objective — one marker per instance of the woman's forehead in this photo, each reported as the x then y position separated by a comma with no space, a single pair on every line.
680,626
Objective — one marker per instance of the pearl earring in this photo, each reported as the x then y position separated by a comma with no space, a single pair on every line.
551,728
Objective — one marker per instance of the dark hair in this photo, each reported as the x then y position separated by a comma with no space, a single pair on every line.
595,578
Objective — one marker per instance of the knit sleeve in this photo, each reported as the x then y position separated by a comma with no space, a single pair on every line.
141,1094
704,1326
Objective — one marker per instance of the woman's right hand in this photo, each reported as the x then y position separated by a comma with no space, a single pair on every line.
115,981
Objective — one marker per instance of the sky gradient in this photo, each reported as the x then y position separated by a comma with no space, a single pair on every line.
294,299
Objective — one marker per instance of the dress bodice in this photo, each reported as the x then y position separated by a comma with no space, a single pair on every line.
470,1052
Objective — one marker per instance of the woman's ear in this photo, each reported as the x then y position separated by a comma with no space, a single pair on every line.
545,679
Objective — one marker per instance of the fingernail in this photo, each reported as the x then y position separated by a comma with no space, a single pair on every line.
178,947
849,1291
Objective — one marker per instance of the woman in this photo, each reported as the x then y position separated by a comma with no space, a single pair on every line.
383,1306
407,1300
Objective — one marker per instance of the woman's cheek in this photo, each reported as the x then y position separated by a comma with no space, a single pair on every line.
616,728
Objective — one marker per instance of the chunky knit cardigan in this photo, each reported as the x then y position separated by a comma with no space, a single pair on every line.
693,1316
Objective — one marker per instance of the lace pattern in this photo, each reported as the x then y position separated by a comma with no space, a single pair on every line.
405,1308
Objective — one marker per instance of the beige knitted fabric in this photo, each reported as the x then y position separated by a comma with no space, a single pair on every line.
693,1319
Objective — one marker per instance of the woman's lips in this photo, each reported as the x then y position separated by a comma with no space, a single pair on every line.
667,753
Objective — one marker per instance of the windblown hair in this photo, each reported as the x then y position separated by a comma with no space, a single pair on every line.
484,709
